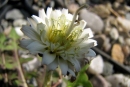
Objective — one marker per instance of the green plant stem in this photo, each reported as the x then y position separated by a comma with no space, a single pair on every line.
47,78
5,74
20,71
60,78
41,76
74,18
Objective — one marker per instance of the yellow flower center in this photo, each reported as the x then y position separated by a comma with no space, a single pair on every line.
57,32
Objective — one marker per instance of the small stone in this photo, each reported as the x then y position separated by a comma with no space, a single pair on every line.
102,10
108,68
107,30
96,65
117,53
1,29
100,40
81,1
93,21
124,23
31,65
73,7
99,81
4,24
18,31
121,12
128,16
127,40
120,1
14,14
121,39
113,21
119,80
107,45
19,22
8,30
116,5
126,50
114,33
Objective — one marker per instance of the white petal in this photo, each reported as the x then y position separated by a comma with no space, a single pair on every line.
47,22
71,72
49,10
25,42
43,36
88,43
54,15
77,17
69,17
90,53
82,24
37,19
33,25
63,66
53,65
42,15
63,55
58,13
75,63
28,31
64,11
36,47
86,33
41,27
48,58
90,32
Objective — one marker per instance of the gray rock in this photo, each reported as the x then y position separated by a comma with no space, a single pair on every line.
107,45
14,14
127,41
19,22
1,29
108,68
121,39
128,16
93,21
99,81
119,80
31,65
4,23
18,31
96,65
114,33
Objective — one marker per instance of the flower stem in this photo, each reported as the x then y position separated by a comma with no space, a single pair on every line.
74,18
5,74
47,78
20,71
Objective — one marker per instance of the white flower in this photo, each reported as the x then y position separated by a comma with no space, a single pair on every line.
61,45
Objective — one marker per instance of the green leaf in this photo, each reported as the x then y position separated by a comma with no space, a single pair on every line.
9,47
15,37
13,76
17,82
31,74
2,40
10,65
24,60
81,80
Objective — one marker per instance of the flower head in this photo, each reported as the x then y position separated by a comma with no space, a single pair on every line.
61,45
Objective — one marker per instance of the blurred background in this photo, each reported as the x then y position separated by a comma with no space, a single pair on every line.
109,21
